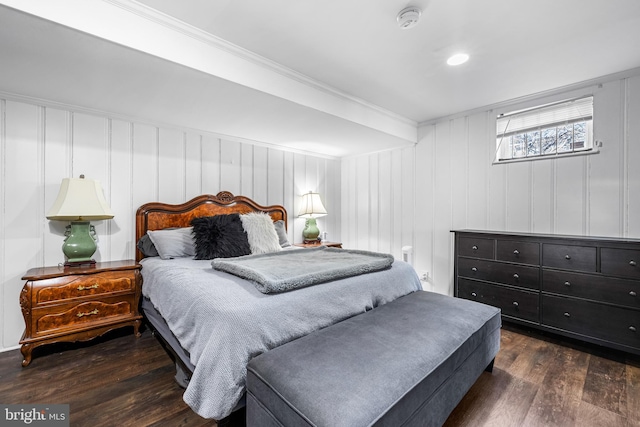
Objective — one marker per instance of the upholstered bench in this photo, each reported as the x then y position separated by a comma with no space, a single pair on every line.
405,363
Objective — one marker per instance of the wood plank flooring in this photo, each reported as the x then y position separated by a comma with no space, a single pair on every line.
538,380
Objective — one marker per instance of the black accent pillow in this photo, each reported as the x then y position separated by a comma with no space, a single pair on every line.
220,236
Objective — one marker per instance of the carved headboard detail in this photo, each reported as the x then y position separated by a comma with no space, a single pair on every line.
156,215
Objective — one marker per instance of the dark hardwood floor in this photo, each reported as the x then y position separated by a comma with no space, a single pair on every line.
538,380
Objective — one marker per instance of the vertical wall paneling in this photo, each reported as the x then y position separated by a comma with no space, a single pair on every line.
632,159
542,203
460,171
230,166
22,209
275,177
171,173
374,201
446,165
385,207
3,178
145,165
476,171
247,173
408,199
210,164
260,171
121,195
193,165
518,196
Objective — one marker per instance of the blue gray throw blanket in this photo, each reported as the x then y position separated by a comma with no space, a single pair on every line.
288,270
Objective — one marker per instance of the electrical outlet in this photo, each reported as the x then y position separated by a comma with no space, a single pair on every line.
424,276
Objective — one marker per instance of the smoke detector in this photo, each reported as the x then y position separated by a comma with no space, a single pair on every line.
409,17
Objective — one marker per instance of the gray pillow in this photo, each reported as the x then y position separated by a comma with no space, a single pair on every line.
282,233
173,243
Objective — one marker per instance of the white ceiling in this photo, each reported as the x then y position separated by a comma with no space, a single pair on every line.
334,77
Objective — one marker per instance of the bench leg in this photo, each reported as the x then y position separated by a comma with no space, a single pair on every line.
489,367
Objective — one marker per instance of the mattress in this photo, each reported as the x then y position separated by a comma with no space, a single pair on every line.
222,321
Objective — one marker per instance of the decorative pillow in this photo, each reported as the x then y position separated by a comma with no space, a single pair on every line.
282,233
220,236
261,232
145,245
173,243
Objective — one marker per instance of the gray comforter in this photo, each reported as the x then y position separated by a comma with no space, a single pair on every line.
224,321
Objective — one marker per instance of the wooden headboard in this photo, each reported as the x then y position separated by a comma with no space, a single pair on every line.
156,215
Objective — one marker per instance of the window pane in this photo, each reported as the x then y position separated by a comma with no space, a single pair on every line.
533,143
549,141
565,138
519,145
579,135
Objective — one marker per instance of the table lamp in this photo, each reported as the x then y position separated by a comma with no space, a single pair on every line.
312,208
80,200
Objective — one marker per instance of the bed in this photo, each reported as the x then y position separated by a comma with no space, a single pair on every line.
214,323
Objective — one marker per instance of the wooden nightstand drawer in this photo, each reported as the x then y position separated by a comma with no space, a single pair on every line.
78,303
70,287
620,262
59,319
569,257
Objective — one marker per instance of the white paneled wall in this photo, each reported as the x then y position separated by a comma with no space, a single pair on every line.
136,163
447,181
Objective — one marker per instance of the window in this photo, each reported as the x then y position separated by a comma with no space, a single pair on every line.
546,131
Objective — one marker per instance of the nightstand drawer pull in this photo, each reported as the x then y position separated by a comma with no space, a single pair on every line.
515,304
516,252
88,313
567,315
567,284
633,263
474,247
473,294
474,269
516,276
567,257
632,328
86,288
632,293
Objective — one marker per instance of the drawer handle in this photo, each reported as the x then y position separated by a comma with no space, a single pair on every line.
632,328
567,284
632,263
88,313
567,257
474,247
516,276
516,252
567,315
86,288
474,269
473,294
515,303
632,293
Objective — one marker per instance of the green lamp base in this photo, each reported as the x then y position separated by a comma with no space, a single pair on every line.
310,232
80,244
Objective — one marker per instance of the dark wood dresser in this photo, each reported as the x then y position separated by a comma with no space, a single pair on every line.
581,287
78,303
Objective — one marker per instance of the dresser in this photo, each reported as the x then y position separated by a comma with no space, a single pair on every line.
581,287
78,303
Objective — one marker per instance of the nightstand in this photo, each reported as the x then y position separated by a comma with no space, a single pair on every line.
315,245
78,303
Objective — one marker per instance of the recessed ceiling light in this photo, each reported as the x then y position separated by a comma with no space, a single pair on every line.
458,58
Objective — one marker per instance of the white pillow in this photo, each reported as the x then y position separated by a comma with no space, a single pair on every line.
261,232
173,243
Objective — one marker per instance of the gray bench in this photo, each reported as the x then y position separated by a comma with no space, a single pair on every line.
406,363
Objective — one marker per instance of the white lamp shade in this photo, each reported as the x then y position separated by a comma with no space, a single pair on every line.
312,206
80,199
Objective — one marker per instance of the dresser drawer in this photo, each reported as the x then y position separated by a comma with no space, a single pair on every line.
476,247
569,257
515,251
519,304
597,288
60,319
613,324
620,262
71,287
500,272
